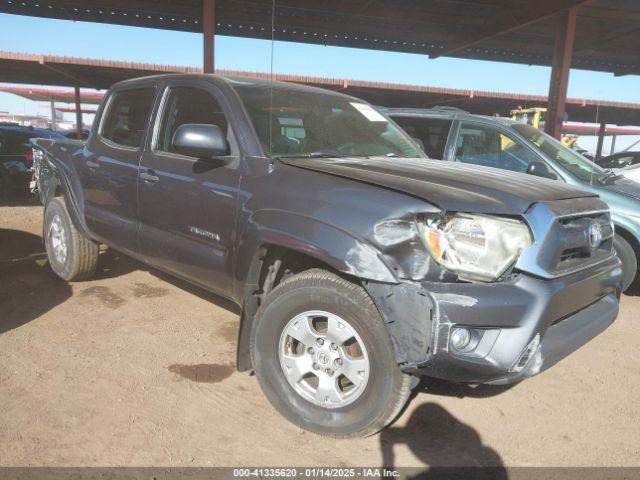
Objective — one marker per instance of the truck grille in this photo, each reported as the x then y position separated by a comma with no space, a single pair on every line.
570,235
576,248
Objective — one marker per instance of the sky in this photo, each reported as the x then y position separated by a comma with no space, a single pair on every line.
114,42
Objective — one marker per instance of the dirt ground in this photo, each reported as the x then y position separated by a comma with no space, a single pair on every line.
136,369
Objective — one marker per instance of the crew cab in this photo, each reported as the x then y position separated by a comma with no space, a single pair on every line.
358,263
455,135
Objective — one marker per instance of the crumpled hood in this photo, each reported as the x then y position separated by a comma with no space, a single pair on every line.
455,187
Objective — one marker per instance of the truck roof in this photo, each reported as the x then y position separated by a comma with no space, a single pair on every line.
231,81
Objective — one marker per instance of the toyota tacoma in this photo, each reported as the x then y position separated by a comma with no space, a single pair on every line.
359,264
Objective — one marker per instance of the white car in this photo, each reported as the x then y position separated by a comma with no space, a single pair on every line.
632,172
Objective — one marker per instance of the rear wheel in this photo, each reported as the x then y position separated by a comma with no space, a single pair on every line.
71,254
324,358
627,256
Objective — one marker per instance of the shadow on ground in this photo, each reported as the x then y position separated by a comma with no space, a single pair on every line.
443,388
450,448
28,286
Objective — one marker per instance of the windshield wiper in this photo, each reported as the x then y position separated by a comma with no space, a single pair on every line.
609,175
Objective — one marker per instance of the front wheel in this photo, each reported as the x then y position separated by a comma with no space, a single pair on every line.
627,256
71,254
324,358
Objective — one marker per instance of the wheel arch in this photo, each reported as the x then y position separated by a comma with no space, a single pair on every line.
626,233
270,264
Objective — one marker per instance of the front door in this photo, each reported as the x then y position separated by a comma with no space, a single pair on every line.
188,205
486,145
109,168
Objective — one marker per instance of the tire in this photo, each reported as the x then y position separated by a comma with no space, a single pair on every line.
80,258
627,256
369,406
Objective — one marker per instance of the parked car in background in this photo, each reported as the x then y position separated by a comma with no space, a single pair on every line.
73,134
632,173
16,156
620,160
358,263
454,135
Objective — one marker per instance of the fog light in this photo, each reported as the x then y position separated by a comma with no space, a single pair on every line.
460,338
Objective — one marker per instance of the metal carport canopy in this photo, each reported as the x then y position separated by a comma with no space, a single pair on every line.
519,31
95,73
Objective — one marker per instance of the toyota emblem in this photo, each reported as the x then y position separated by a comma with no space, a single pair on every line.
594,234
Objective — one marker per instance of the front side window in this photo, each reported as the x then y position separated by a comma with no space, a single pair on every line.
292,121
579,166
188,105
127,115
489,147
432,133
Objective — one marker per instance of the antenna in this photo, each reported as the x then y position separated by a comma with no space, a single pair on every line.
593,164
273,42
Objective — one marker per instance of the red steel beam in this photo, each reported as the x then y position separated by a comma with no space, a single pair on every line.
562,55
209,32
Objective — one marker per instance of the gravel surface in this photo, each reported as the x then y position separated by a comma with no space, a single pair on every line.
135,368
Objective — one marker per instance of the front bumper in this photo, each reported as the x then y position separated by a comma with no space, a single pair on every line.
565,312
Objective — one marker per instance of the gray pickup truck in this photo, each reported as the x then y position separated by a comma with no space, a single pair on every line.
358,264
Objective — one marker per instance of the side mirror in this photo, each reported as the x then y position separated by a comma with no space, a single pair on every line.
200,140
540,169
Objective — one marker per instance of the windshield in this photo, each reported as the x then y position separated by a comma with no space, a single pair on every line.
579,166
311,123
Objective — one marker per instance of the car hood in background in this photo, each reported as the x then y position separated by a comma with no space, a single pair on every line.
626,185
451,186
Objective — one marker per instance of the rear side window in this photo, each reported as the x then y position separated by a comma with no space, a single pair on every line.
126,116
431,132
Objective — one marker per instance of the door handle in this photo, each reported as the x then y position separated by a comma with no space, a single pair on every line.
92,165
149,176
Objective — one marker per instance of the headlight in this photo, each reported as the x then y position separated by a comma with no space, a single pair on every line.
476,247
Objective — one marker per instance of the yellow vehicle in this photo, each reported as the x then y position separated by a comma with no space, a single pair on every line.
536,117
532,116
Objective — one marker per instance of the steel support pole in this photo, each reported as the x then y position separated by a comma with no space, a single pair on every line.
209,32
78,114
562,55
53,115
601,132
614,137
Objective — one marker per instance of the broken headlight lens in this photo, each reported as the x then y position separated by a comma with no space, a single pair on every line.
476,247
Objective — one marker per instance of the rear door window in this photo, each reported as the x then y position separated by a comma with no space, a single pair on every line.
432,133
126,117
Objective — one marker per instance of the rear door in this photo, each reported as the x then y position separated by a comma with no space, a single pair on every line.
431,133
109,168
187,205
